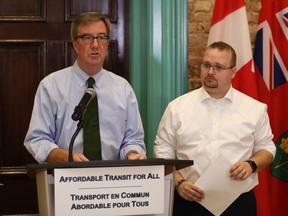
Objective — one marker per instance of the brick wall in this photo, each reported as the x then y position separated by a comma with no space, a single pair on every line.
199,19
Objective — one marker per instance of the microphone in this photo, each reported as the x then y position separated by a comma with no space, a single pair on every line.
80,109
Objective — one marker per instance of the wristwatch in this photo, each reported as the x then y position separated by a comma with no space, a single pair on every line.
253,165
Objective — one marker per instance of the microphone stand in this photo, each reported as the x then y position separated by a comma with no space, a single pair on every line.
79,126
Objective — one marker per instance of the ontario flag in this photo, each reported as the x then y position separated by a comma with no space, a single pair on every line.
230,24
271,63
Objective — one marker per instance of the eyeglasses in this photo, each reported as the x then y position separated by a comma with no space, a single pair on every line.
217,68
89,39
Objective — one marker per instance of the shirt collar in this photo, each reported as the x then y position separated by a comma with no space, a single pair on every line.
205,96
81,77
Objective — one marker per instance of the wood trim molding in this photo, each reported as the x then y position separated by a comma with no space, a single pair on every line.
39,14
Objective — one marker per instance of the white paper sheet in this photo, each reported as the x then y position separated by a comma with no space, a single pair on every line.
220,189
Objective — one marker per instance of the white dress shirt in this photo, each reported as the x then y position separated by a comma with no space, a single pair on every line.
197,127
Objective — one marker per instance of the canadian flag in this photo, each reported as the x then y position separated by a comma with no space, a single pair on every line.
230,24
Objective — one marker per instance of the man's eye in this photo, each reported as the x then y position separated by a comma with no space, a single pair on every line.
218,68
87,37
101,37
207,66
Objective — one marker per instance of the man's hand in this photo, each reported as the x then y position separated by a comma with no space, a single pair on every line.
240,171
188,191
134,155
61,155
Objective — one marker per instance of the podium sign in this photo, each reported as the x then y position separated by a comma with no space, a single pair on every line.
109,191
120,187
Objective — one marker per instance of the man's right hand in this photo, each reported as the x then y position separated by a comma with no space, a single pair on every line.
188,191
61,156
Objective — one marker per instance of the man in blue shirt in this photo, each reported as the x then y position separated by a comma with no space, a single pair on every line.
52,127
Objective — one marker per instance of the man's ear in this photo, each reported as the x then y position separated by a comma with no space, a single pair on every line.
234,70
74,42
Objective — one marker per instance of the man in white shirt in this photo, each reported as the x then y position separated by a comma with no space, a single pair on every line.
215,120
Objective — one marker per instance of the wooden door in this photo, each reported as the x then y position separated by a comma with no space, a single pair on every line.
35,41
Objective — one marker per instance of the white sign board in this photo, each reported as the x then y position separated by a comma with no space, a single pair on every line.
133,190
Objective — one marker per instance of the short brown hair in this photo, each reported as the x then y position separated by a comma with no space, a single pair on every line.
88,17
224,46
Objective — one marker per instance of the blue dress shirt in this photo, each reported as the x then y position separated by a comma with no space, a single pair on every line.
51,125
